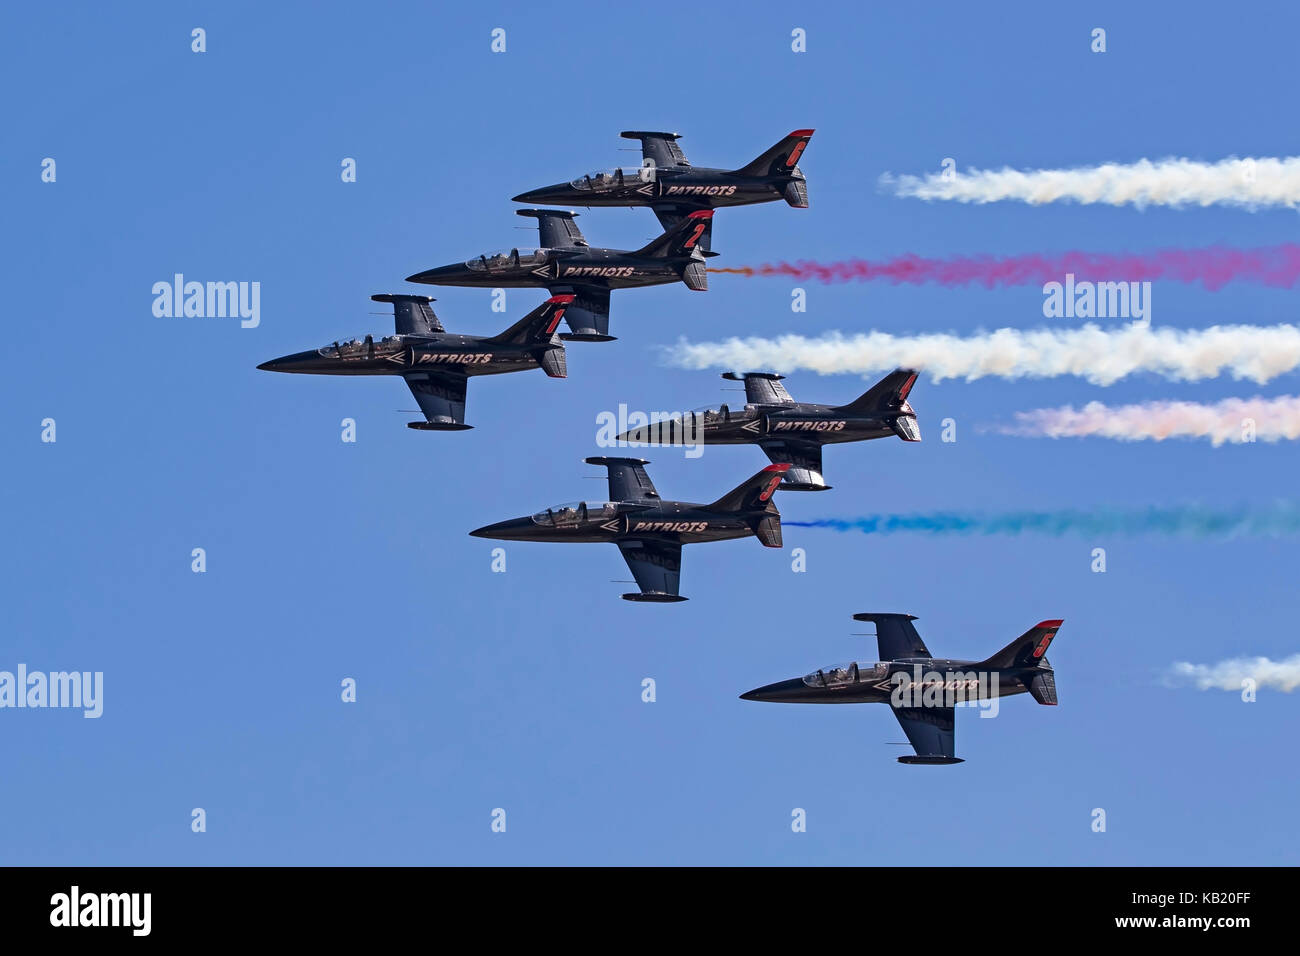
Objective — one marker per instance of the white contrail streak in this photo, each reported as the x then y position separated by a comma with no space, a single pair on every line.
1251,183
1283,675
1101,356
1231,421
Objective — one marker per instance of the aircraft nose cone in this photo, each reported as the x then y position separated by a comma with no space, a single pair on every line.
297,362
436,275
782,692
510,530
547,195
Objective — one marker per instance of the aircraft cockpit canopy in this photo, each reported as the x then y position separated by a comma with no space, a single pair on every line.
360,348
843,674
575,513
507,259
614,178
724,413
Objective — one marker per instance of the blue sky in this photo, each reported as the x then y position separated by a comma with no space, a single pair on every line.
522,690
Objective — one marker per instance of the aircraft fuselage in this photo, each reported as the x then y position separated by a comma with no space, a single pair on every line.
693,186
602,268
403,354
878,683
679,521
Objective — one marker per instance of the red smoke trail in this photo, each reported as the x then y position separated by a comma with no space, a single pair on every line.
1213,267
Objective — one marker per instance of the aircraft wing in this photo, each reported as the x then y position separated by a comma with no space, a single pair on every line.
931,731
628,480
896,636
804,458
656,565
762,388
662,148
440,395
588,314
411,313
555,227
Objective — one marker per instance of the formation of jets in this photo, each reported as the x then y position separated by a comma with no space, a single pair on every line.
648,530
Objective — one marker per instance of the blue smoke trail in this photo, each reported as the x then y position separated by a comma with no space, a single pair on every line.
1193,521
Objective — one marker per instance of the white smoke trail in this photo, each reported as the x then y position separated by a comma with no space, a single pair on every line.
1233,421
1251,183
1283,675
1101,356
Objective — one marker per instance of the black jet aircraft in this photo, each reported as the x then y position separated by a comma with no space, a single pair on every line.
650,531
673,188
921,689
437,364
789,431
567,265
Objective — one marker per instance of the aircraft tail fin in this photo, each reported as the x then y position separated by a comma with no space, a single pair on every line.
754,493
683,239
1027,650
538,326
781,159
888,399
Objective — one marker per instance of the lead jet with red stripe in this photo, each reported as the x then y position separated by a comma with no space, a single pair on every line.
436,364
673,188
649,531
923,690
792,432
566,264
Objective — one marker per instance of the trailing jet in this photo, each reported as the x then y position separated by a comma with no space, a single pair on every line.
650,531
567,265
673,188
437,364
922,690
789,431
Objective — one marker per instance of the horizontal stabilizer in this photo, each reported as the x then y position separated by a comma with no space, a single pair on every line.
768,531
1043,688
554,363
696,277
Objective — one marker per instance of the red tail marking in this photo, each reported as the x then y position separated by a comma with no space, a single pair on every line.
699,231
771,487
796,152
555,320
